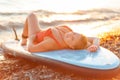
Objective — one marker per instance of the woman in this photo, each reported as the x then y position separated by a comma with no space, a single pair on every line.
56,38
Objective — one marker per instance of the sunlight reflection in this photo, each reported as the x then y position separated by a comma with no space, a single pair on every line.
91,30
73,5
66,17
56,5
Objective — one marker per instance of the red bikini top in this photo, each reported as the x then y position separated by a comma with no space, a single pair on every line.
40,35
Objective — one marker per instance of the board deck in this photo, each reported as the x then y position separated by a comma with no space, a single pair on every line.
74,60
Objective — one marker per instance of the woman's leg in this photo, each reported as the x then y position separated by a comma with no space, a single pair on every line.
33,24
31,27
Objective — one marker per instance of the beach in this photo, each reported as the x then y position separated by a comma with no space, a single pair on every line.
102,23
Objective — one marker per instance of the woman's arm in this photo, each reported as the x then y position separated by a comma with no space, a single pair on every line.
94,40
46,45
94,44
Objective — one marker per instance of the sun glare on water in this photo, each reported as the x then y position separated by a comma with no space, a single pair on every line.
73,5
55,5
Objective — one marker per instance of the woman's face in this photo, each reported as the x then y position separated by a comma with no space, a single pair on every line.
72,38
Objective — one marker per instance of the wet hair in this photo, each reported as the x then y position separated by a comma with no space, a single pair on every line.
82,43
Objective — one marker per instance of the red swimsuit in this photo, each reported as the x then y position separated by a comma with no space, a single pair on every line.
40,35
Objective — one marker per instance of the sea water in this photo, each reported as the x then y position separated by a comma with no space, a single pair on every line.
74,13
55,5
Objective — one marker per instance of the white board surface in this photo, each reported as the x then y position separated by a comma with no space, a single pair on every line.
103,59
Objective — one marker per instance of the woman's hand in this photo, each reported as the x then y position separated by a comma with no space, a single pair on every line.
95,44
92,48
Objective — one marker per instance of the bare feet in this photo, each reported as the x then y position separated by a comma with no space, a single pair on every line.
23,41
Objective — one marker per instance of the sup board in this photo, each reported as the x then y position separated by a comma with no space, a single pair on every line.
78,62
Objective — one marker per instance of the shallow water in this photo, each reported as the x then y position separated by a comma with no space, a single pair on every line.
92,21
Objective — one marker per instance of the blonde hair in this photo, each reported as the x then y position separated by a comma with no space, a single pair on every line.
82,43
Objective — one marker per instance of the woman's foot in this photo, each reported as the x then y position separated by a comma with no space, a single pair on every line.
23,41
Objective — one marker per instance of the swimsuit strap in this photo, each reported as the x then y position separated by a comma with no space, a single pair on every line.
50,34
59,30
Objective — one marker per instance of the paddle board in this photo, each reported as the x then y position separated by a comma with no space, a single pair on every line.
78,62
